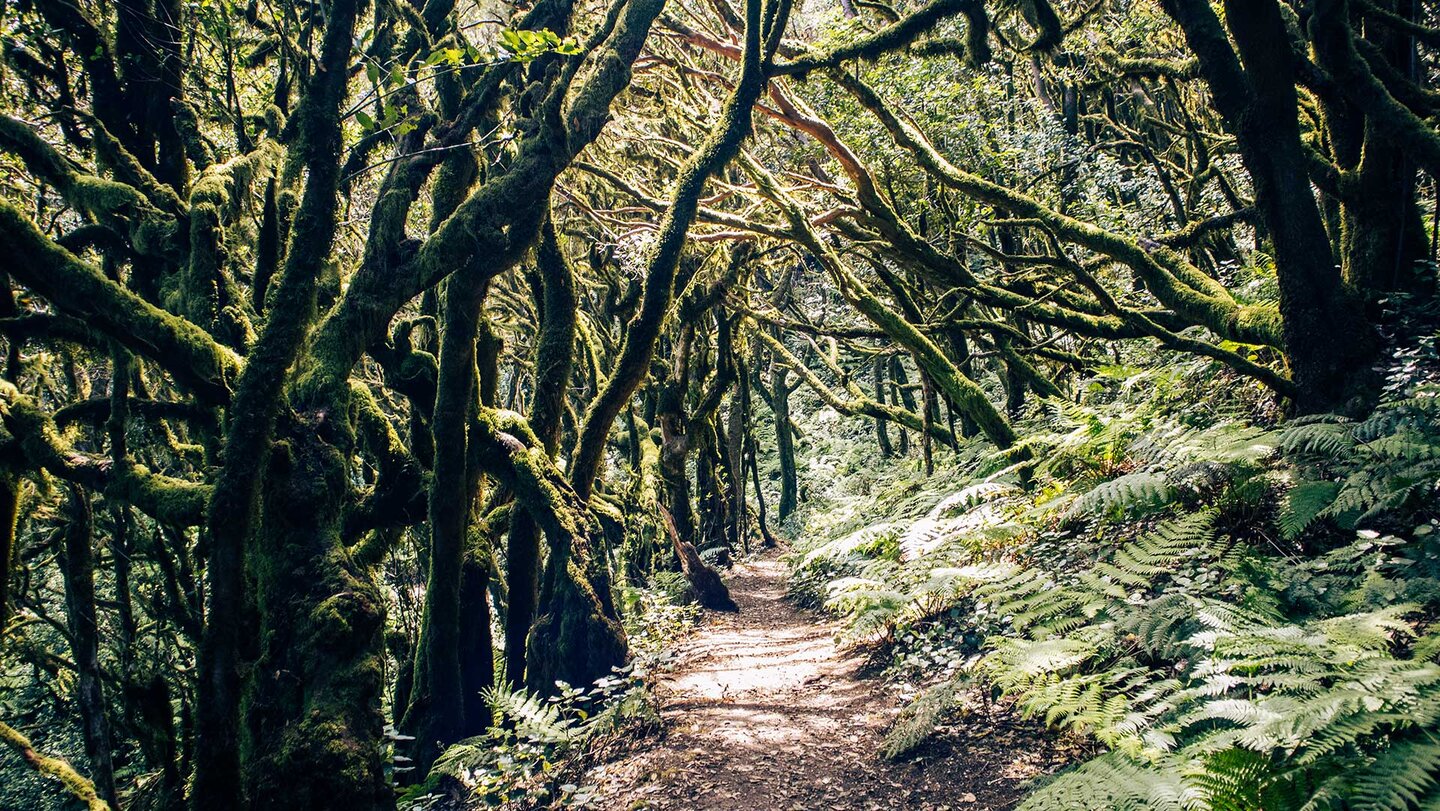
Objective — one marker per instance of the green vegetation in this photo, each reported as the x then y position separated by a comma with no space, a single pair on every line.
387,386
1241,616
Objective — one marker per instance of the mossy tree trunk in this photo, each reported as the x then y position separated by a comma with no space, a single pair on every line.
253,416
1326,340
433,717
882,428
78,564
313,706
737,434
9,514
1380,233
675,438
577,638
780,390
554,363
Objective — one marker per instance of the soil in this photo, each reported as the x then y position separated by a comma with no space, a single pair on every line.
764,711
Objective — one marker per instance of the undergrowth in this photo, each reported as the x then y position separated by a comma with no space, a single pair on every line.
1239,610
538,749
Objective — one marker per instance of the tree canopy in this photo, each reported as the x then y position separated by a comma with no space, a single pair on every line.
360,355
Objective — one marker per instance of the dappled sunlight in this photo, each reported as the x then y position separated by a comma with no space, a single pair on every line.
766,711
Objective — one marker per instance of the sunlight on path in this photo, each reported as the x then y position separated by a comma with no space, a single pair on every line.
764,712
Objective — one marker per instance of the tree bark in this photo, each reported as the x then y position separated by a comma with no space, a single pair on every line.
78,566
435,718
1327,342
780,390
554,362
313,705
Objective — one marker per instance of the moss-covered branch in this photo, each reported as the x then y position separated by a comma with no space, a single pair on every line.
80,290
1335,48
397,499
855,405
960,390
118,205
896,35
171,501
638,348
1166,274
80,788
578,638
498,218
97,409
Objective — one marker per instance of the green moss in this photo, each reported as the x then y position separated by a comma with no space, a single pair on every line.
120,206
78,289
313,709
80,788
169,500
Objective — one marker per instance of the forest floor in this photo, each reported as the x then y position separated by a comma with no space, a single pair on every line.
763,711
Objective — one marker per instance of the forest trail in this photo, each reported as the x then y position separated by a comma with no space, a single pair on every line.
764,711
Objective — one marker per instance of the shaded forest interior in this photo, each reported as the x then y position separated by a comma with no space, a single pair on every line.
389,387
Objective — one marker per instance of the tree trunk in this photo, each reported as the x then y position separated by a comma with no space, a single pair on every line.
253,414
674,451
882,432
435,718
78,566
9,514
784,441
477,648
1381,234
554,362
313,706
904,395
737,420
710,590
1326,340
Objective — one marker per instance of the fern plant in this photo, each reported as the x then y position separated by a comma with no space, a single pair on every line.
1242,616
919,719
1360,471
518,762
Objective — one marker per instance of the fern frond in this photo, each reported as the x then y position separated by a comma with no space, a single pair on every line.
1132,493
532,717
1399,777
1305,502
1328,436
972,497
1119,783
919,719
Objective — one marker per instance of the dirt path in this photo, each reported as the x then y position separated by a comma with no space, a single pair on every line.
763,712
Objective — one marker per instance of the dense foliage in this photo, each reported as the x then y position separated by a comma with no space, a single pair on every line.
1241,616
384,383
